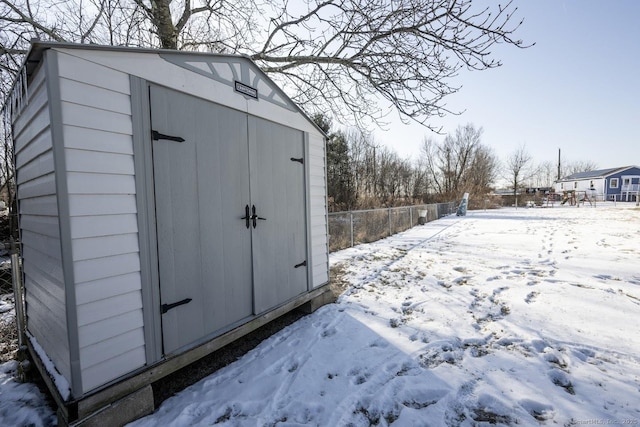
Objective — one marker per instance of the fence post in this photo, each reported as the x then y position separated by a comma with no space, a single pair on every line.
18,294
410,216
351,226
390,233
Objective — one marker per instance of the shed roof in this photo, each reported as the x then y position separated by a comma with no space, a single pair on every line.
34,57
600,173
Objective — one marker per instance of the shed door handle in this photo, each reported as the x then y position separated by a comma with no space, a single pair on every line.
246,216
255,216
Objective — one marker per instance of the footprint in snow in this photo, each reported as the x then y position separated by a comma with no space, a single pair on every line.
561,379
328,332
444,284
462,280
277,367
487,415
358,376
531,297
585,355
557,360
499,290
410,368
382,343
507,342
606,277
538,410
539,345
294,343
518,272
438,353
419,336
417,398
478,347
396,322
538,273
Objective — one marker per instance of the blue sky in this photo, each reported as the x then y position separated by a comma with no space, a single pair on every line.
577,89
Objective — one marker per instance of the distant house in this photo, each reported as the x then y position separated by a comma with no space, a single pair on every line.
621,183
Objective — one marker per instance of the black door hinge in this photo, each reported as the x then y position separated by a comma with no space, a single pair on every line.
167,307
300,160
158,136
302,264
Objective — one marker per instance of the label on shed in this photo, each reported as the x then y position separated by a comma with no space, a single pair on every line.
246,90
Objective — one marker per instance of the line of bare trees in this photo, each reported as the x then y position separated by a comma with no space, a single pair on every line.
362,174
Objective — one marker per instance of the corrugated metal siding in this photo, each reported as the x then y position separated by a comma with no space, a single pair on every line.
40,231
97,128
318,211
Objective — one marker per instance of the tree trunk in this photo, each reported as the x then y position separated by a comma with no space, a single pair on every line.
161,17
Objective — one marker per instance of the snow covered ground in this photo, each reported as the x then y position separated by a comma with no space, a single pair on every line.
508,317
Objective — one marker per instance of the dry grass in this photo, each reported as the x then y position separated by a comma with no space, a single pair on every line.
337,281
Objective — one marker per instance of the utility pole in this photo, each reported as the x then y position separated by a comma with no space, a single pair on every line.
559,165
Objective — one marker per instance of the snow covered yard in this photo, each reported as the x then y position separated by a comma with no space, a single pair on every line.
507,317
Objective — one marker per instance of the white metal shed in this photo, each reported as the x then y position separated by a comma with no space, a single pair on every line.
165,199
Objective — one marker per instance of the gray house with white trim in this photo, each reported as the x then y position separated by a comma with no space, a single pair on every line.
169,202
620,184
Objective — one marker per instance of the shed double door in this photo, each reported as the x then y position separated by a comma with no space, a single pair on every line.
230,215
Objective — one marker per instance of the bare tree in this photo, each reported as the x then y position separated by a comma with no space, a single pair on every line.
341,56
420,184
518,169
459,164
579,166
545,175
394,179
482,172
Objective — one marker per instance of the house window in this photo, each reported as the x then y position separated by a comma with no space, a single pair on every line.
613,183
626,181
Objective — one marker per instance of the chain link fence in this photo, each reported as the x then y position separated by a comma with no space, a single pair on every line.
6,278
347,229
7,230
9,342
11,295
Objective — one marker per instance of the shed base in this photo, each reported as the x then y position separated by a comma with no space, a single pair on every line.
327,297
131,398
123,411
